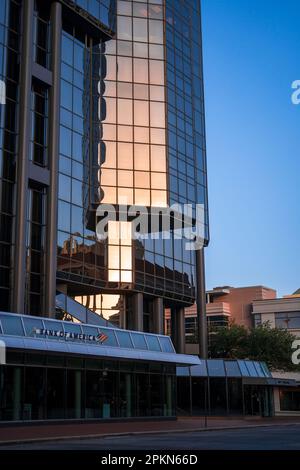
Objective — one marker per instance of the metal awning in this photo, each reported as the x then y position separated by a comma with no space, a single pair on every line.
30,333
32,344
252,372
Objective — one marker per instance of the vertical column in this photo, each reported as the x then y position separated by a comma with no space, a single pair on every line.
178,329
128,396
201,303
181,330
169,410
77,394
174,327
122,319
22,165
17,394
158,316
138,311
54,105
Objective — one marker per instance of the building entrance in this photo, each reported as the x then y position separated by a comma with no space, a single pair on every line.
258,401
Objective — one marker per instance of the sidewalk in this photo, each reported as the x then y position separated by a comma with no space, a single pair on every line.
35,433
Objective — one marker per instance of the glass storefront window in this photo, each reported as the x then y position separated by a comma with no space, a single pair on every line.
142,393
199,396
34,399
157,395
289,400
235,396
86,389
11,394
183,396
217,394
126,388
94,393
74,394
56,393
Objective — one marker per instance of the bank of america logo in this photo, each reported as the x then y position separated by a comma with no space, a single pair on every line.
102,337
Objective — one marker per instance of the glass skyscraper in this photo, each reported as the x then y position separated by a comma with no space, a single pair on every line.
104,105
103,109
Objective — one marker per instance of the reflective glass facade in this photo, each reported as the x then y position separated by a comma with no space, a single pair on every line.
102,10
133,163
113,113
10,38
130,133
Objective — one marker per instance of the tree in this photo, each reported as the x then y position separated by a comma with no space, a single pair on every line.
263,343
271,345
228,342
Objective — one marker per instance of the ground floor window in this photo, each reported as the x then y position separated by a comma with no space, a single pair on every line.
290,400
235,396
217,396
220,396
97,389
200,395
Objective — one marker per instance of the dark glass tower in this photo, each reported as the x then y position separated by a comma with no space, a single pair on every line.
104,107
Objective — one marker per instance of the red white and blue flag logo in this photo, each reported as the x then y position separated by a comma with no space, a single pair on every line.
102,337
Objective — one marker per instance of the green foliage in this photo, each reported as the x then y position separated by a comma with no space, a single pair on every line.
229,342
263,343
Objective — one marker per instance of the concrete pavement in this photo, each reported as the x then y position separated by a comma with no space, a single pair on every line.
277,437
94,430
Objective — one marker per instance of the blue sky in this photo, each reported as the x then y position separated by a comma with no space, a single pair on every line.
251,57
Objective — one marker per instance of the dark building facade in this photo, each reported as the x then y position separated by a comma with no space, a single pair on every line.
104,105
65,370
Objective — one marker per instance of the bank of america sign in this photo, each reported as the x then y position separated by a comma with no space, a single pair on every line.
100,338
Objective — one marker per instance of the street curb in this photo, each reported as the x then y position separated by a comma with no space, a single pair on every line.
140,433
